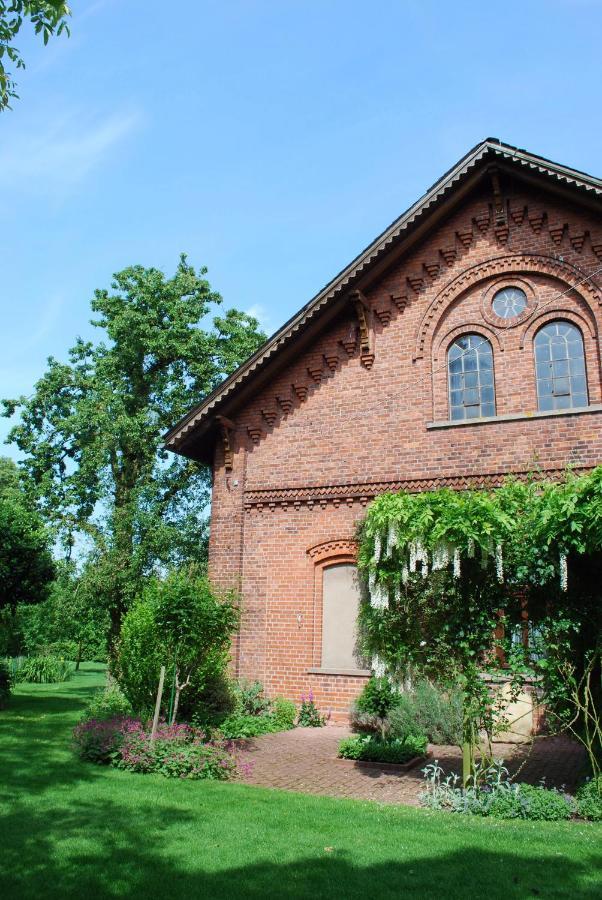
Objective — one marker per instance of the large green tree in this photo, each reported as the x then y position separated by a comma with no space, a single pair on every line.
47,17
26,567
91,432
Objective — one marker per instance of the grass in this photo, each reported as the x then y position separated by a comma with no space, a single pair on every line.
69,828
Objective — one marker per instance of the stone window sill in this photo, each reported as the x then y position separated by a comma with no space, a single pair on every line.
364,673
515,417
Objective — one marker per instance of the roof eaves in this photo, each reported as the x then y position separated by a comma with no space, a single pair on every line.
363,260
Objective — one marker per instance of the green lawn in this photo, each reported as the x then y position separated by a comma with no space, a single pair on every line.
71,828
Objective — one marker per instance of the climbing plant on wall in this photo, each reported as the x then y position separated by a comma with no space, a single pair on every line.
450,578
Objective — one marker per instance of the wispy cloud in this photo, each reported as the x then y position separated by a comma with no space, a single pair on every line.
64,152
262,315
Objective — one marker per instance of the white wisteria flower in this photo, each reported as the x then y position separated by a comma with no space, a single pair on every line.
564,573
499,563
457,570
378,667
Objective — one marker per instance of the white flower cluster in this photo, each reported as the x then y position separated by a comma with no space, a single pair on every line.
456,563
564,573
379,595
391,540
418,557
377,548
440,557
378,667
499,563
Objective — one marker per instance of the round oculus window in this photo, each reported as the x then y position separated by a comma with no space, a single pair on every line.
509,302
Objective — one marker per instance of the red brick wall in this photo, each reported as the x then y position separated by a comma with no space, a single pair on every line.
328,433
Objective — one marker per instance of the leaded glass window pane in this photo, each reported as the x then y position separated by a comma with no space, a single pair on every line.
509,302
470,378
560,367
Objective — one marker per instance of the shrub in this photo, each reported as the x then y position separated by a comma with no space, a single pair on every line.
524,801
309,714
373,749
178,751
108,704
494,795
237,726
6,681
378,698
589,800
250,698
215,702
424,709
98,740
284,713
179,622
45,669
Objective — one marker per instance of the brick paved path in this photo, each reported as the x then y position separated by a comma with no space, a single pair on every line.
305,760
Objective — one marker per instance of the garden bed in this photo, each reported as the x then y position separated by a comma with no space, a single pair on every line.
392,768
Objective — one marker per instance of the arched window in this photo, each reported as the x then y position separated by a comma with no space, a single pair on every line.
470,377
560,366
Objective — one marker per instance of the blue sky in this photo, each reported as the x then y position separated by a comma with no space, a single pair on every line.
271,141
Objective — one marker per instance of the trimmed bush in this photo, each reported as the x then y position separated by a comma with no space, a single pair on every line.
589,800
45,669
108,704
372,749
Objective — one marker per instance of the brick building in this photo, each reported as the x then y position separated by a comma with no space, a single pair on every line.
460,346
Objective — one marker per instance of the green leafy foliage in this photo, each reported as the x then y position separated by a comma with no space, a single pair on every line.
46,669
26,566
492,793
92,431
111,703
426,709
589,800
284,714
250,698
393,750
182,623
175,751
279,716
449,576
47,17
72,622
6,680
377,698
309,715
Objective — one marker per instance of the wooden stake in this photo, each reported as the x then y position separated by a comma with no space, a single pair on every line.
158,705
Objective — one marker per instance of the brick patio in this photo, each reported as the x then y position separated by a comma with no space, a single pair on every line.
305,760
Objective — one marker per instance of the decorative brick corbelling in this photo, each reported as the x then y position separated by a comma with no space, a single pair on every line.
557,233
384,315
330,549
517,214
314,497
498,265
536,220
577,240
